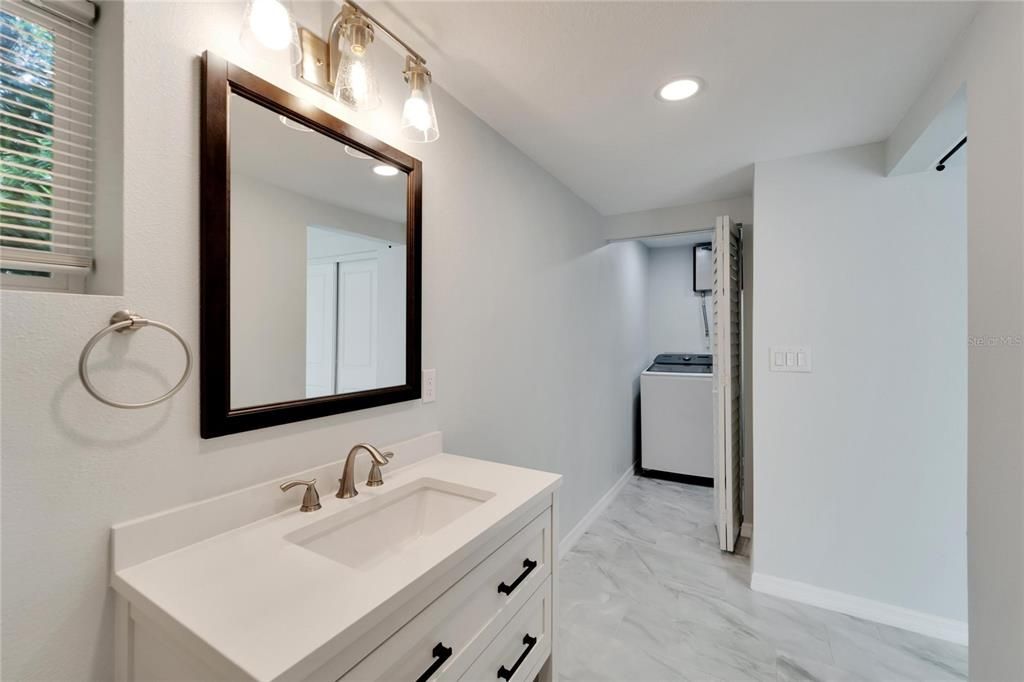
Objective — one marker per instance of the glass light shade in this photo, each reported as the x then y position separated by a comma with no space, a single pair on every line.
419,120
355,83
268,24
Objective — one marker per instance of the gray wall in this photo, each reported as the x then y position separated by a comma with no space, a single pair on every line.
861,464
989,61
675,317
535,327
673,219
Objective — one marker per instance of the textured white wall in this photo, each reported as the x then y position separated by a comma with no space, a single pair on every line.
675,317
861,465
535,326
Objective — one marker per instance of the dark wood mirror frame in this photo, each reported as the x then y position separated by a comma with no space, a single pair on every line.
221,79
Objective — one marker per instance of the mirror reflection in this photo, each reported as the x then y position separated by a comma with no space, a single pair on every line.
318,263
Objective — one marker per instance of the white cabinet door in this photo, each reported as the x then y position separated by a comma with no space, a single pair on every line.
727,351
358,308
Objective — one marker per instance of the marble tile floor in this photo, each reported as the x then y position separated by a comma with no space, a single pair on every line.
647,595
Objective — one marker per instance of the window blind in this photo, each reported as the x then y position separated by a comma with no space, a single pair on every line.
46,136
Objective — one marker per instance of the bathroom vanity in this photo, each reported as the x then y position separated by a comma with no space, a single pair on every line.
446,571
439,566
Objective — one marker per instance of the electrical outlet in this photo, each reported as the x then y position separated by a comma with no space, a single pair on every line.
429,385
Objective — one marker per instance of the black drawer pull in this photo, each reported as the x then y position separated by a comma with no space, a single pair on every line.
529,565
441,653
505,673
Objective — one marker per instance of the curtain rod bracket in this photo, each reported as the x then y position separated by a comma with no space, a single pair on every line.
942,162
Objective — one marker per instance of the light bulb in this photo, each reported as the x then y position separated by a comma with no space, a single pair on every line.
416,111
359,82
269,24
355,83
419,121
385,170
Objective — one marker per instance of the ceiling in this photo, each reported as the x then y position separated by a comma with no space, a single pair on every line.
681,239
301,161
572,83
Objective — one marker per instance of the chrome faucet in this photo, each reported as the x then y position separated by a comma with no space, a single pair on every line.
347,480
311,499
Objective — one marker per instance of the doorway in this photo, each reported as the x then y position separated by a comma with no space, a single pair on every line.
354,309
693,395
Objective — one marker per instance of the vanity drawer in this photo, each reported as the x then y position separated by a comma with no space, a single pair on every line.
521,647
449,634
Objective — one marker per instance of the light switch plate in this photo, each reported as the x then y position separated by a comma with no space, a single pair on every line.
789,359
429,385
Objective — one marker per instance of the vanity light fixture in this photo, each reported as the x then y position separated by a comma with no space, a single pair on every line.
343,66
679,89
385,170
269,24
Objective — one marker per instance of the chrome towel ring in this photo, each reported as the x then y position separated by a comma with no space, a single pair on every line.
121,322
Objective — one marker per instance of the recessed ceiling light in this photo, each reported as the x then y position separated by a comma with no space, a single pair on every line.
385,170
355,153
679,89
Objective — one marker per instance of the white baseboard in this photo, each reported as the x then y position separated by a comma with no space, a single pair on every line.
747,530
580,528
868,609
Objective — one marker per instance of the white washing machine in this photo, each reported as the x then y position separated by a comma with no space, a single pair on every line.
675,418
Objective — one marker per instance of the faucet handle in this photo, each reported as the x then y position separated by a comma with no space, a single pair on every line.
311,500
375,478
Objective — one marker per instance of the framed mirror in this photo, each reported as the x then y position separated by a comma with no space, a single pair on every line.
309,261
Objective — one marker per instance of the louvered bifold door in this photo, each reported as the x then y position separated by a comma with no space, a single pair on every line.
727,372
46,136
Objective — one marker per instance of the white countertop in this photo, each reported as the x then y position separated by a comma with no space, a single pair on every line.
266,604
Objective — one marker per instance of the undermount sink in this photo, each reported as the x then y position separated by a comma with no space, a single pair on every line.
390,524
